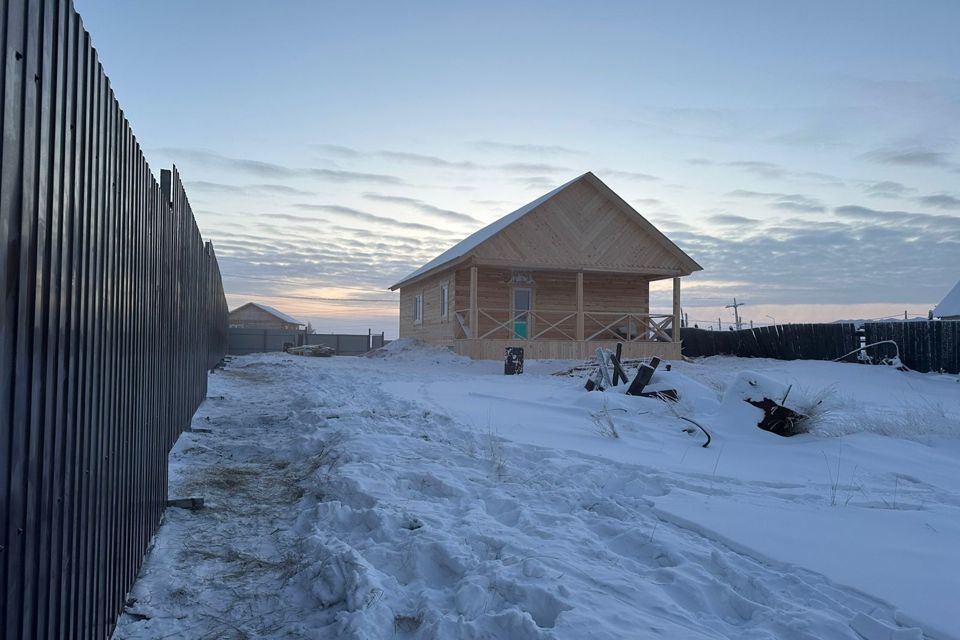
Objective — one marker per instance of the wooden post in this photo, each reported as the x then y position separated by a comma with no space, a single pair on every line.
474,304
676,310
580,305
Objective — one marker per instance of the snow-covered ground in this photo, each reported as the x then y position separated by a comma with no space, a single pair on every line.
423,495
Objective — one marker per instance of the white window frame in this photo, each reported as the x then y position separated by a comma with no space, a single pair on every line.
418,308
444,300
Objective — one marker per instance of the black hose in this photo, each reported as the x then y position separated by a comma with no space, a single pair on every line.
699,426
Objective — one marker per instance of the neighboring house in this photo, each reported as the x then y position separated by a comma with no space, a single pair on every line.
561,276
949,307
254,315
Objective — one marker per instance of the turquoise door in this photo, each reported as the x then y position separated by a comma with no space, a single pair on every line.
522,300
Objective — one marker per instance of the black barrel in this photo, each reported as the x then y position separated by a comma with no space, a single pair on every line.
513,361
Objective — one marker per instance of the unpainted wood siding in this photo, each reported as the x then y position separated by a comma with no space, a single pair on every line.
620,294
554,298
432,328
580,228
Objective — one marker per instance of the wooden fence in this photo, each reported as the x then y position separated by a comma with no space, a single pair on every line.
783,342
923,346
111,312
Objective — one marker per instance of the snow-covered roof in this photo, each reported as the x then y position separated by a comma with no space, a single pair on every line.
274,312
950,305
472,241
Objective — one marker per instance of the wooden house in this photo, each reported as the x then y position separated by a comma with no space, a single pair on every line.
949,307
254,315
561,276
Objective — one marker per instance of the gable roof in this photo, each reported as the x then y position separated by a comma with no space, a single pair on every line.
274,312
471,242
950,305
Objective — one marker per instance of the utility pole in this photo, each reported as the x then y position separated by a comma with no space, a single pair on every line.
736,312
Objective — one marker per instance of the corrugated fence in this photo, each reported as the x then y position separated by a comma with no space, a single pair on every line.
244,341
112,310
924,346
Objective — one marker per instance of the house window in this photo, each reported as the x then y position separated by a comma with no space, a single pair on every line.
418,308
444,300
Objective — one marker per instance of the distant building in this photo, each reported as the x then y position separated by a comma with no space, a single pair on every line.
949,307
254,315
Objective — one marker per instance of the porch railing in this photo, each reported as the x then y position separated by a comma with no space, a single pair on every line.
561,324
628,327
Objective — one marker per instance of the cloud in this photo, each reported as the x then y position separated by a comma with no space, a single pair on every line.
787,201
629,175
435,162
647,202
425,160
293,218
914,156
541,183
769,170
732,220
533,149
941,201
801,203
420,205
369,217
880,256
337,150
909,224
497,204
405,157
887,189
746,193
766,169
246,189
532,167
335,175
272,170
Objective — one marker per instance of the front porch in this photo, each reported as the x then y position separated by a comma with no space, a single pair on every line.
563,349
560,314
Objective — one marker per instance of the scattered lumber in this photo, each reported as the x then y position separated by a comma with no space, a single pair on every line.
643,377
314,350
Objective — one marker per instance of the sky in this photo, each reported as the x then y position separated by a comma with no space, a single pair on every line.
805,154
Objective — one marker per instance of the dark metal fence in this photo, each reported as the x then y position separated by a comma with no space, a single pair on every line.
923,346
244,341
347,344
111,312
